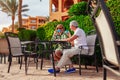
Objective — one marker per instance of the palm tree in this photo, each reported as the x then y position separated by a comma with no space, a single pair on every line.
9,7
19,14
21,8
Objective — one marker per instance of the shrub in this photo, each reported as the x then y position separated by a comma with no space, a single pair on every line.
78,9
45,32
114,7
1,35
27,35
85,22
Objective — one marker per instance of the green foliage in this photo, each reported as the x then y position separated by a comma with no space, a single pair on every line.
85,22
1,35
10,8
46,32
20,29
27,35
41,33
78,9
114,7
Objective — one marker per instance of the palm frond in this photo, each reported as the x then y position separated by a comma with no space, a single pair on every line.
25,15
24,6
24,10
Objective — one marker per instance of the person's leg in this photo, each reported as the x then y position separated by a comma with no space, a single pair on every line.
57,55
65,59
67,54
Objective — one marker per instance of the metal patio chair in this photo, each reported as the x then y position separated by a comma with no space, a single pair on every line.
15,50
108,37
91,43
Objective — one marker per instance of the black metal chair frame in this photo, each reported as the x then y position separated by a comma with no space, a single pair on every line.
91,51
20,53
31,52
108,37
9,34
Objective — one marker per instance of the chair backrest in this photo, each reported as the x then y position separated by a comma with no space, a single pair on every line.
91,40
106,32
14,44
4,47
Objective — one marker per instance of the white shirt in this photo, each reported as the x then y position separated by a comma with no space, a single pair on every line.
81,39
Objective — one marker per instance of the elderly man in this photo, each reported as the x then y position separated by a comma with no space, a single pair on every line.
79,39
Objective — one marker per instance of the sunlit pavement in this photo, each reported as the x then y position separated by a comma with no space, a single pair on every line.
37,74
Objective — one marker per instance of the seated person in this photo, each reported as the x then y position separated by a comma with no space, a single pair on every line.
59,34
79,39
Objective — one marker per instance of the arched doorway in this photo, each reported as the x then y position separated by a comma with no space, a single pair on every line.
67,4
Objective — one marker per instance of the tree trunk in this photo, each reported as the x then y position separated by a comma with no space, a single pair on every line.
19,14
13,18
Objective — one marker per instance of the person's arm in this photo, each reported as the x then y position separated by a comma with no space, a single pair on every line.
72,43
71,39
54,36
69,35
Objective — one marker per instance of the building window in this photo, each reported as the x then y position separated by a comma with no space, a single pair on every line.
53,8
33,27
41,21
54,5
33,21
67,4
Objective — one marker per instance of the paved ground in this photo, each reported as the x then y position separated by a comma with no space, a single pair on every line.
37,74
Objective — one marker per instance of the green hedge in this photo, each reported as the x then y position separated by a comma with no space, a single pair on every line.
114,7
27,35
78,9
46,32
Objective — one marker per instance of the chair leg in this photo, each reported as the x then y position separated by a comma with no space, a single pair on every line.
26,64
9,66
1,57
79,65
96,67
41,61
104,74
85,64
53,64
96,63
10,61
37,57
36,61
20,62
4,59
